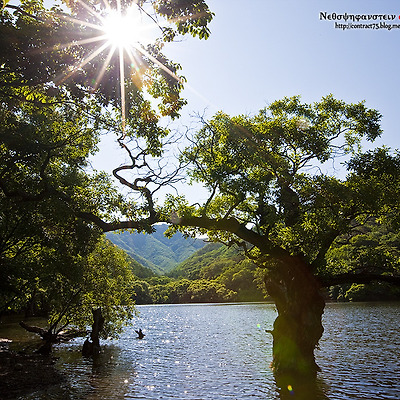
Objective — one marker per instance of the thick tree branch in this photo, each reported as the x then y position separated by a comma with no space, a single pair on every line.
25,196
358,278
233,226
141,225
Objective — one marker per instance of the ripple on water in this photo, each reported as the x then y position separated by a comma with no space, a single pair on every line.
359,350
204,352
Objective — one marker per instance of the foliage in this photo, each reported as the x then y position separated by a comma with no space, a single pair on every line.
60,89
185,291
141,292
106,282
369,247
43,186
267,185
227,266
66,285
372,292
61,39
202,262
209,291
139,270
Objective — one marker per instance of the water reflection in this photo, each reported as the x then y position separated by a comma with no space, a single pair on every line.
106,376
301,389
204,352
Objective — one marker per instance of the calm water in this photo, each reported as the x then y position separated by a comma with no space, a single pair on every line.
217,352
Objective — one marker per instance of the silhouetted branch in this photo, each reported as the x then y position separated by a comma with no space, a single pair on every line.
20,10
358,278
139,225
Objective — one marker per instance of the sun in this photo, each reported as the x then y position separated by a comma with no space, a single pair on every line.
125,29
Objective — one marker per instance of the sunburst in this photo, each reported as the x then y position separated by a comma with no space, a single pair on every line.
120,33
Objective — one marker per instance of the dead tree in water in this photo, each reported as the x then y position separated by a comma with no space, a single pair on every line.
92,347
49,337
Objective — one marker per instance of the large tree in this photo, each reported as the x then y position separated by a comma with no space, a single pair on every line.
271,193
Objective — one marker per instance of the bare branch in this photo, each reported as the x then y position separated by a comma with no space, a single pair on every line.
23,12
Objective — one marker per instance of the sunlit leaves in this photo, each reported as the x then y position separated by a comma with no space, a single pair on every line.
108,284
64,47
189,16
105,281
266,171
375,178
372,248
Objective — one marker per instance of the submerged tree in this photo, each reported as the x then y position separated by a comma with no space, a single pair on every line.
270,195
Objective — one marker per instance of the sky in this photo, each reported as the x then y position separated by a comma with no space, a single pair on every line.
263,50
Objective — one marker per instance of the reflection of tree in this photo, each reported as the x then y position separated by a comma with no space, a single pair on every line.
303,389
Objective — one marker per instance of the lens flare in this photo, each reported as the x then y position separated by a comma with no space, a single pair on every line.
120,33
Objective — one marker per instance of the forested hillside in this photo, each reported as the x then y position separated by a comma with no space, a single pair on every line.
208,262
156,251
215,273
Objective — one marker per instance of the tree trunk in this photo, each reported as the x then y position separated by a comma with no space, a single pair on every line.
49,337
92,348
298,327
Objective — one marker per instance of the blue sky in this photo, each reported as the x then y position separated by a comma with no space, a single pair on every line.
262,50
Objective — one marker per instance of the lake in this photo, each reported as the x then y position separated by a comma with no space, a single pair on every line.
221,351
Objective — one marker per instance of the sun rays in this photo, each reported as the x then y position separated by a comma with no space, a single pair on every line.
117,33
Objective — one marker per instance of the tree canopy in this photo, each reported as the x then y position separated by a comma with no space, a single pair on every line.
269,189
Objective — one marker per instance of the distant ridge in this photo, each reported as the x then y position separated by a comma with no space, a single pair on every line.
156,251
212,253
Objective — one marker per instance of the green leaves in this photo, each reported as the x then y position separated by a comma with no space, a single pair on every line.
265,171
375,179
189,17
369,248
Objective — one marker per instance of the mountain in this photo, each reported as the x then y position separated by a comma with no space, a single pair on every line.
216,264
211,254
141,271
156,251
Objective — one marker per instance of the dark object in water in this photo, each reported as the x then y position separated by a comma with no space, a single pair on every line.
141,335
